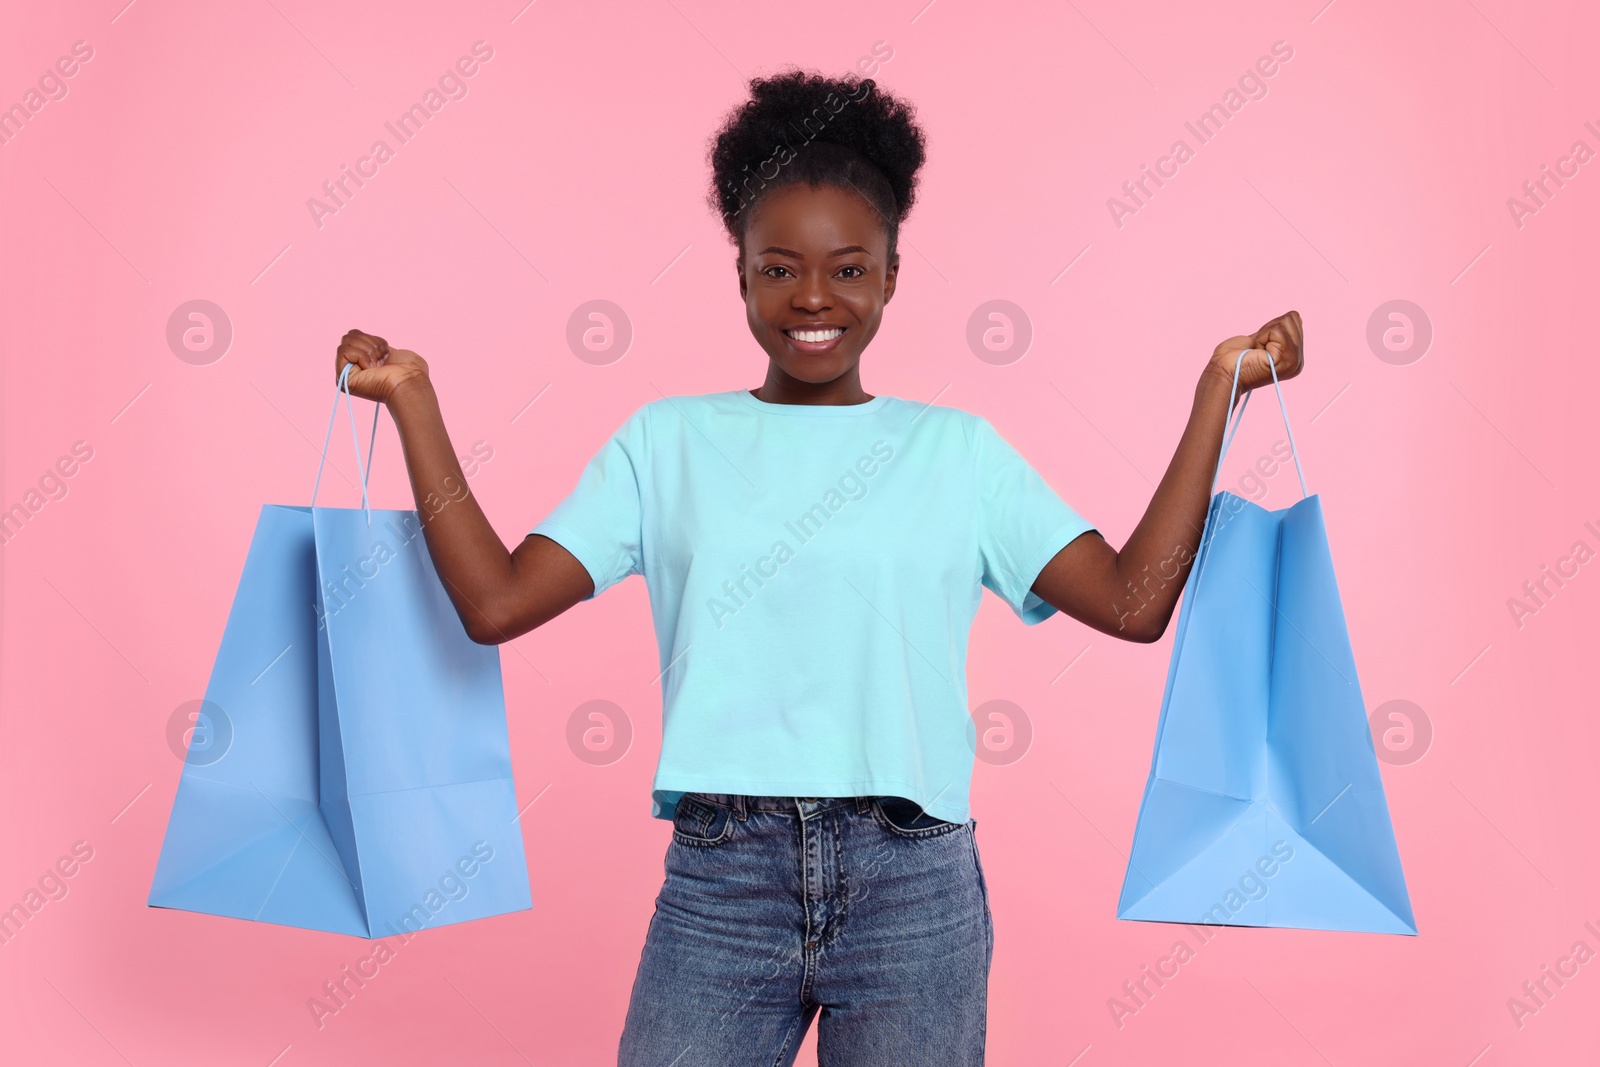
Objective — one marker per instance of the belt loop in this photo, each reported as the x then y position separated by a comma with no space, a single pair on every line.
738,807
863,805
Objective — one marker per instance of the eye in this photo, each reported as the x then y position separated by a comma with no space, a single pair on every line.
767,271
860,271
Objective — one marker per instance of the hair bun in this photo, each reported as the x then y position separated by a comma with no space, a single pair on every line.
762,144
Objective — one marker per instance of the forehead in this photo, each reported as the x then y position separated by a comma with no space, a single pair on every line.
807,218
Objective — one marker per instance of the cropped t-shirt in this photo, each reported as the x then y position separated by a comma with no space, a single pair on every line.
813,573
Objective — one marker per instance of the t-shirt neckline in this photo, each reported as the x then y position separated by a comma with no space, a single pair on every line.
813,410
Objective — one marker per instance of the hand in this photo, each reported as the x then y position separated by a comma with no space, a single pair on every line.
1281,340
378,371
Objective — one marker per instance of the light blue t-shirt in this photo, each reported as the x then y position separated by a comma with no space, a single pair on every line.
813,573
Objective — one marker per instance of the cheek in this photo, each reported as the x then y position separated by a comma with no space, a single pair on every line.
867,312
756,316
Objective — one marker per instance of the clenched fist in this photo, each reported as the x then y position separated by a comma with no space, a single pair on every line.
1282,340
377,371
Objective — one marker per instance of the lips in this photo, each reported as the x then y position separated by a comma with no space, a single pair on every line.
814,339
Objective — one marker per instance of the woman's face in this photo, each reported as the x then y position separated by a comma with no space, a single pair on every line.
815,265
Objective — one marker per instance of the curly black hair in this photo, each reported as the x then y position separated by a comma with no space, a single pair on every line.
806,127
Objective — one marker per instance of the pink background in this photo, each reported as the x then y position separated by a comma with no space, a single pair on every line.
1378,167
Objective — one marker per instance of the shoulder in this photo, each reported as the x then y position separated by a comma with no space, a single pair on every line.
942,420
682,411
660,422
687,405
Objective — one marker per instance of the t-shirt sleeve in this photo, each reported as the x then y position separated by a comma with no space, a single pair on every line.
601,522
1022,523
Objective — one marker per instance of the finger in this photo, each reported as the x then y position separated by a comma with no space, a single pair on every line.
1271,338
1292,324
1295,328
345,354
367,350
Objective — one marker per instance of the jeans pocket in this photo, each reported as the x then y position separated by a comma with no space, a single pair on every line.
905,818
977,863
698,824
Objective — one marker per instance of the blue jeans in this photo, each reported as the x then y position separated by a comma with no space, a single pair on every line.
775,907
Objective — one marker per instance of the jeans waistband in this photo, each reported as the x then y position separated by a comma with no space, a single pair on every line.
742,803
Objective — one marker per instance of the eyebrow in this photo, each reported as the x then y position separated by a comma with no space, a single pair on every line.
797,255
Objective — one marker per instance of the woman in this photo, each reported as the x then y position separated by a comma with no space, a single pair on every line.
815,556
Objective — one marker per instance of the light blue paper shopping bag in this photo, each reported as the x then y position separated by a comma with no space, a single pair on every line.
365,783
1264,806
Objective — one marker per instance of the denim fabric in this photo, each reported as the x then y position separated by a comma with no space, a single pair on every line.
775,909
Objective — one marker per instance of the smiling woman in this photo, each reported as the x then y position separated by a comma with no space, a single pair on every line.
814,762
818,249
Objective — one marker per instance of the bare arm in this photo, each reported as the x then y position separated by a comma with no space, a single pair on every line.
499,595
1132,594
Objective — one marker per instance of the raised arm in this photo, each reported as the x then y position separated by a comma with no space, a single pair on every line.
498,594
1132,594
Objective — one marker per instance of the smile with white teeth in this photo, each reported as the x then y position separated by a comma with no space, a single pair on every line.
816,336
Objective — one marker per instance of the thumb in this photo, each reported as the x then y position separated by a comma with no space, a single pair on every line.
368,382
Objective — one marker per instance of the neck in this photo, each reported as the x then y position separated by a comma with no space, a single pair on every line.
782,388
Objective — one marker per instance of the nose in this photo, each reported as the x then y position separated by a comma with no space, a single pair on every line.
813,292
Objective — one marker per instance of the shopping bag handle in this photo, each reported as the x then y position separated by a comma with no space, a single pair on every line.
1206,532
365,472
1239,416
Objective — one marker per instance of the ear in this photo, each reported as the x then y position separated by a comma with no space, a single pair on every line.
889,277
738,264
